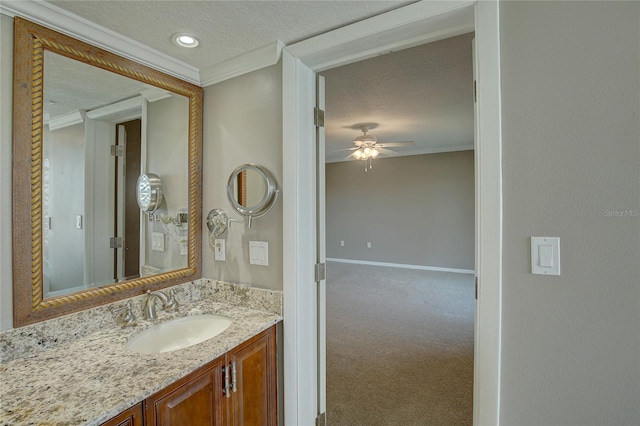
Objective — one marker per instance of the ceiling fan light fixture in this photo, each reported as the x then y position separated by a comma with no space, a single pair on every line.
374,153
357,154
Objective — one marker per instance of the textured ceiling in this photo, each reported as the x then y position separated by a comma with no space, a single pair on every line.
423,94
226,28
71,85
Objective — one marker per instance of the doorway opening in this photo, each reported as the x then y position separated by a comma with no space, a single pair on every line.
401,239
127,212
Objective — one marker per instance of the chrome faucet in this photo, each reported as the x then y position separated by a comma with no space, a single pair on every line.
169,303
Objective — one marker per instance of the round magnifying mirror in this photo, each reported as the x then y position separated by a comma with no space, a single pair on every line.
149,192
252,190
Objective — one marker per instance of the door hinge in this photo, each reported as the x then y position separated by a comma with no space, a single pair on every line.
116,242
318,117
320,272
476,287
321,420
117,150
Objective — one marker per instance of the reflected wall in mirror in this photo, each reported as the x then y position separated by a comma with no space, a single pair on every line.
249,188
87,123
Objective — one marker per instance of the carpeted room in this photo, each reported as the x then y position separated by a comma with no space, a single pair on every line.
400,334
400,238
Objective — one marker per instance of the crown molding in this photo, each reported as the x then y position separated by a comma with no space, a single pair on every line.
392,31
66,120
120,111
251,61
72,25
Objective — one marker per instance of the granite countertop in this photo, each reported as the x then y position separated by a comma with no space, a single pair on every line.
88,380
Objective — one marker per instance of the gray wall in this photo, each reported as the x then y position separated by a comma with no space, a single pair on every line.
416,210
63,199
571,159
243,124
167,156
6,98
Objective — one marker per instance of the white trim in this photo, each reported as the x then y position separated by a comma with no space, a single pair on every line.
251,61
405,27
405,153
75,26
402,265
298,242
321,248
153,94
487,362
66,120
119,111
322,49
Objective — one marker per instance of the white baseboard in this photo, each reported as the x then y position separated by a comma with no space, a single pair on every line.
403,265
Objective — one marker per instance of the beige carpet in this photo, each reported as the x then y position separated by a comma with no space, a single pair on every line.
399,346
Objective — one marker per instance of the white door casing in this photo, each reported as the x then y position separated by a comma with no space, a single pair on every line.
300,350
321,247
405,27
120,196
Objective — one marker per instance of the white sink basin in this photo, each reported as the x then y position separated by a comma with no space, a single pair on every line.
178,333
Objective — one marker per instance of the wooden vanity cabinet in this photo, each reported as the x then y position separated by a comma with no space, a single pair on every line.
236,389
253,398
130,417
194,400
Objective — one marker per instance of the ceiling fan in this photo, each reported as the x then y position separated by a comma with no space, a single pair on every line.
367,147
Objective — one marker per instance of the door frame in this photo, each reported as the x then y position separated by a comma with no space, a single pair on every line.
408,26
106,118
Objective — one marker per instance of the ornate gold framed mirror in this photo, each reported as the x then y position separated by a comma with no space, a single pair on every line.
155,104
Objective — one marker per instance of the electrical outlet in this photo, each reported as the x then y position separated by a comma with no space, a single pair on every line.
184,248
341,243
219,249
368,244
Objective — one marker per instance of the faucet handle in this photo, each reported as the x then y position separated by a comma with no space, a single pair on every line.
172,304
128,317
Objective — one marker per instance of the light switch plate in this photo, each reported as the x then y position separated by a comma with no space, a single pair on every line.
259,253
545,255
157,241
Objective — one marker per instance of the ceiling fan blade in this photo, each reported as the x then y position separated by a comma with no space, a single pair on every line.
386,152
348,157
392,144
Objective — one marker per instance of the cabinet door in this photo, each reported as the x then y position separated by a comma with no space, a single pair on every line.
254,391
195,400
130,417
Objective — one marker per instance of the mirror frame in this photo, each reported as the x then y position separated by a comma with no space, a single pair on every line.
30,42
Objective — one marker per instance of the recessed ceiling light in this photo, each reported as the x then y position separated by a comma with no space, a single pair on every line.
185,40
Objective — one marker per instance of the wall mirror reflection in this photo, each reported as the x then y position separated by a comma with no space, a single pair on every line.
94,150
87,124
